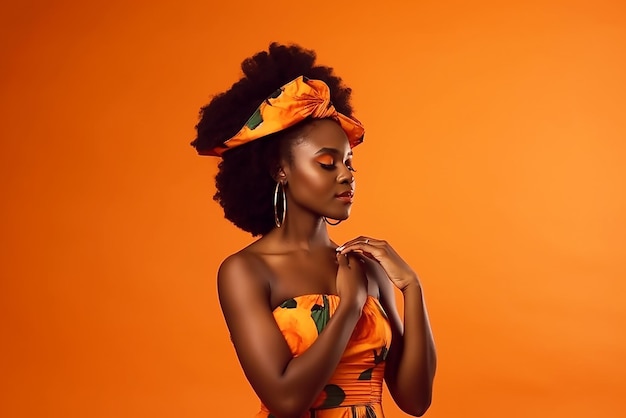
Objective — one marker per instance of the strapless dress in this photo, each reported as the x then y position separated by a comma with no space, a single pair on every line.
355,388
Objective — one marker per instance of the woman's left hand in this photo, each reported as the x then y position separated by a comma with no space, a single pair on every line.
398,271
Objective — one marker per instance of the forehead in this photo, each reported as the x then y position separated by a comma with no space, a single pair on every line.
323,133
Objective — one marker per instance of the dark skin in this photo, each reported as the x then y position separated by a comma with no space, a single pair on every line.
299,258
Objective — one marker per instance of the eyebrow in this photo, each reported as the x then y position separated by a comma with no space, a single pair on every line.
335,151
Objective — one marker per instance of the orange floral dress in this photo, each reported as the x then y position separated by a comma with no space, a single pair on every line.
355,388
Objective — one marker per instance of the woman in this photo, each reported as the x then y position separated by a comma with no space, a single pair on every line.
314,325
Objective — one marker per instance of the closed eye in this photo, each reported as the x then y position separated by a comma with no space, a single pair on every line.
327,160
331,167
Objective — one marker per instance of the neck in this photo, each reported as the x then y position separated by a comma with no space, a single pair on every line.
302,230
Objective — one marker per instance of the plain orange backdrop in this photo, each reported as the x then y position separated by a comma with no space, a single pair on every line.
494,162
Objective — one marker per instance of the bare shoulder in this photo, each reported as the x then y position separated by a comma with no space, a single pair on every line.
239,264
242,273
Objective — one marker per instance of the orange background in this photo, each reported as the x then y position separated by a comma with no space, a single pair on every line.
494,162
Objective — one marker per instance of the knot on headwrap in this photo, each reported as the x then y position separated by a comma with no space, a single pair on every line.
318,106
292,103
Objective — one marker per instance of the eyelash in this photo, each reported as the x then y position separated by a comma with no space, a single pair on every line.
332,167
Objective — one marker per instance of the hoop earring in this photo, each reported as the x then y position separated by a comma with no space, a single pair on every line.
280,221
330,223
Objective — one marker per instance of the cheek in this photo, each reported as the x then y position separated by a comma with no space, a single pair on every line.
311,181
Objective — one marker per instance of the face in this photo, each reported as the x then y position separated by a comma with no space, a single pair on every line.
320,174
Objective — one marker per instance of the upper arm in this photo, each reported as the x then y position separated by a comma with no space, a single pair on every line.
407,396
388,301
386,294
259,343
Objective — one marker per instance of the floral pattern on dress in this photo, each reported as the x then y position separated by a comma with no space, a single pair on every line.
355,388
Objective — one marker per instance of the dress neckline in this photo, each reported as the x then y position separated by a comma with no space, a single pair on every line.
310,295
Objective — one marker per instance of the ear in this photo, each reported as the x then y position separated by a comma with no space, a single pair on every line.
280,175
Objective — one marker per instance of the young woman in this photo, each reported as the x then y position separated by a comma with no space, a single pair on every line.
314,324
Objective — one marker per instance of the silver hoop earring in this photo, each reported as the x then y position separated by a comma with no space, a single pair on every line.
330,223
280,221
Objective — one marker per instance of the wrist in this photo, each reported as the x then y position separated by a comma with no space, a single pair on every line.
411,284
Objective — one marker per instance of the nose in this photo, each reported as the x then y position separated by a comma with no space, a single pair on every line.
345,175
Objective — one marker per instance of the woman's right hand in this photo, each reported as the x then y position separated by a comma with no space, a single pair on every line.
351,281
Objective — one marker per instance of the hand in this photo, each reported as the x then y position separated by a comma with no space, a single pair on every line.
398,271
351,281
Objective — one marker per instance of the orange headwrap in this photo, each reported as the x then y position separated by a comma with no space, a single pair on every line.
290,104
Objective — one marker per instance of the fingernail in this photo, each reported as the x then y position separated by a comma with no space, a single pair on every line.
339,248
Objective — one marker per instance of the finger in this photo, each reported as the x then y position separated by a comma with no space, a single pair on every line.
352,258
356,255
352,241
342,259
371,252
362,239
362,246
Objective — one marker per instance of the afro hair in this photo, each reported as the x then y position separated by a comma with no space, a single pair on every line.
244,182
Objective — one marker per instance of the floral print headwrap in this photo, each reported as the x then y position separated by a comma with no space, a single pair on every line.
292,103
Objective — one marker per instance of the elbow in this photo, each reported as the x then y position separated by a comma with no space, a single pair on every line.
418,406
288,408
280,412
417,410
285,414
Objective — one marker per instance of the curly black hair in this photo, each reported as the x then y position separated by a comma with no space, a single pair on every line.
244,182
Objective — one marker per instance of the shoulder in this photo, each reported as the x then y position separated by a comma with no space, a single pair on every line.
239,262
242,272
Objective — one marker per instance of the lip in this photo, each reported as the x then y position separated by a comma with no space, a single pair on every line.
346,196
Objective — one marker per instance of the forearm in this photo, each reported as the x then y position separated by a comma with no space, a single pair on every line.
415,359
306,375
418,360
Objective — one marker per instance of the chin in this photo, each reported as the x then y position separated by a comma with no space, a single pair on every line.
338,213
339,216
